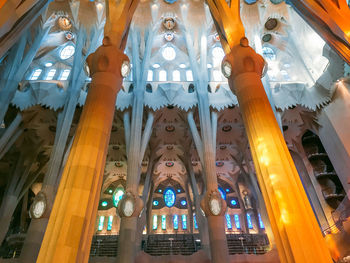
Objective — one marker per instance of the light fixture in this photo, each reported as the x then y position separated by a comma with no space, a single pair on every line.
226,69
48,64
125,69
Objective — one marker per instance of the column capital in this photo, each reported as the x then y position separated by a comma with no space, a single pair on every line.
242,59
130,205
213,204
109,59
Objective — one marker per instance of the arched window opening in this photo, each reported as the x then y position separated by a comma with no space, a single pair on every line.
36,74
189,75
162,75
65,74
50,74
150,75
176,75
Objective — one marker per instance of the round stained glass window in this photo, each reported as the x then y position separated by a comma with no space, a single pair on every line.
183,202
169,197
169,53
117,196
67,52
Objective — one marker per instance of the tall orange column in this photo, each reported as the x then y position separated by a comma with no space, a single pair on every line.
71,224
297,234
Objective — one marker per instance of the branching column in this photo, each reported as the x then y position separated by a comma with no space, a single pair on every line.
297,234
71,224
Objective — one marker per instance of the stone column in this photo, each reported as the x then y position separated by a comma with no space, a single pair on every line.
297,234
334,132
71,224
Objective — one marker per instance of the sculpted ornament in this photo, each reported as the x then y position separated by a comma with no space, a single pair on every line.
130,205
213,204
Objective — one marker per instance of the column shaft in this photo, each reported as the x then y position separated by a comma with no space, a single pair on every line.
297,234
70,228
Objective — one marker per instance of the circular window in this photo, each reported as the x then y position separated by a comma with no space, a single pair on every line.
169,53
117,196
219,164
104,203
169,197
183,202
233,202
169,164
155,203
67,52
266,37
170,128
276,2
271,23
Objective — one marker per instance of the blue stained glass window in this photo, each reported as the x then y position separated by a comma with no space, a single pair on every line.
155,222
249,220
233,202
195,221
110,223
104,203
169,197
183,202
155,203
222,192
228,221
163,222
100,223
261,224
184,222
176,222
237,222
117,196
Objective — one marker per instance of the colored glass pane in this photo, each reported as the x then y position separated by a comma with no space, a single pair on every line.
261,223
184,222
249,221
228,221
100,223
110,223
117,196
169,197
176,222
237,222
163,222
195,221
222,192
155,222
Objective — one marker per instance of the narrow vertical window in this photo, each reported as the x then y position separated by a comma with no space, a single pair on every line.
228,221
101,223
176,75
249,220
51,74
162,75
261,223
36,74
163,222
237,222
65,74
150,75
155,222
189,75
195,221
176,222
184,222
110,223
